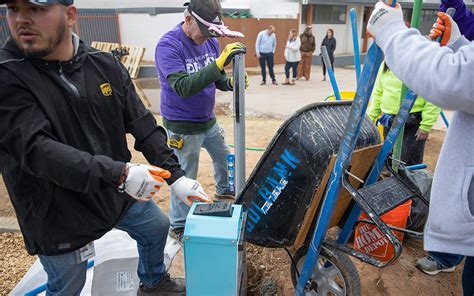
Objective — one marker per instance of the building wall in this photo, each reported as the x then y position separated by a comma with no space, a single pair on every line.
145,30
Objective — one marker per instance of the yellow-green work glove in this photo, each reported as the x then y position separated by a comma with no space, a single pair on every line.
228,54
247,81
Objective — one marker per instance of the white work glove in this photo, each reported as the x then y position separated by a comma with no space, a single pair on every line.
189,191
382,16
446,28
144,181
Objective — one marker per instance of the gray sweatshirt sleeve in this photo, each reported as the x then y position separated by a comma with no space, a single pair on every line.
442,75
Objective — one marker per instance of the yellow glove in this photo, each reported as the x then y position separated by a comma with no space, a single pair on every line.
247,81
228,54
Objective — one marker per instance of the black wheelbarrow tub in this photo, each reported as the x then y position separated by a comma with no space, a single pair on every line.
280,189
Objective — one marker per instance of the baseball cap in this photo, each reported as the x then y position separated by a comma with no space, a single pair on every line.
208,13
45,2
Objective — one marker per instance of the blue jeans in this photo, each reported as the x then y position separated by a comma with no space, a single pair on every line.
214,142
267,58
145,223
291,65
446,260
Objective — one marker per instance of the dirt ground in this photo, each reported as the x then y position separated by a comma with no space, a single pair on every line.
270,265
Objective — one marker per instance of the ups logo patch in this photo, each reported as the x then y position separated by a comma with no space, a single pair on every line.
106,89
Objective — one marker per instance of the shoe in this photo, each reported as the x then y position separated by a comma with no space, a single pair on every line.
429,266
226,195
168,286
324,79
177,234
287,82
263,83
274,82
292,82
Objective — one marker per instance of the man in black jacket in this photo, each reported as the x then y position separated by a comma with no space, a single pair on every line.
65,109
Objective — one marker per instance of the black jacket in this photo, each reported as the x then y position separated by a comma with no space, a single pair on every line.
330,44
63,145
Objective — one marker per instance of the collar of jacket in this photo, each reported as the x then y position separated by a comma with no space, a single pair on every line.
80,55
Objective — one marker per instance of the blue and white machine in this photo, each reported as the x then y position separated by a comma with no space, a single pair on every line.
214,250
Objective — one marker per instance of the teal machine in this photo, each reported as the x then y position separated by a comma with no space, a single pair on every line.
214,250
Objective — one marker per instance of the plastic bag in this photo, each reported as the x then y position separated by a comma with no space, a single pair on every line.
419,211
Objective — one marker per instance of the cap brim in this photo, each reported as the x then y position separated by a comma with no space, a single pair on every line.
204,29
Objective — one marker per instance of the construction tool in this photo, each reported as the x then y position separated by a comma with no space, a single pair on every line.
176,142
364,89
239,121
332,78
355,42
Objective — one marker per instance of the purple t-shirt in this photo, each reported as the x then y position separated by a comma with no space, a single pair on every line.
175,53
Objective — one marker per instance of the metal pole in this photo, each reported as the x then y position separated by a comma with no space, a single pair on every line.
415,23
239,121
355,41
332,78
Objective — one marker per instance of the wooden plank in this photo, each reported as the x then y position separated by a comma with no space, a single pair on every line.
131,61
360,166
361,162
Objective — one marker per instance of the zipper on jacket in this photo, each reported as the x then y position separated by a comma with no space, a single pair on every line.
68,83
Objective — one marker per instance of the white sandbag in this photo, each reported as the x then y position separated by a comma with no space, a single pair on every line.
114,271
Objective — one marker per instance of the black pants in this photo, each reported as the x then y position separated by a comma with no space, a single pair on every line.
468,276
267,59
293,66
412,150
331,58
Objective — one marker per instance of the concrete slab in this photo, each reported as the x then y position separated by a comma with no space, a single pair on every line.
9,224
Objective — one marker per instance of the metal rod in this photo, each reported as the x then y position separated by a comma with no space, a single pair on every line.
417,167
355,177
355,41
239,121
445,119
415,23
332,78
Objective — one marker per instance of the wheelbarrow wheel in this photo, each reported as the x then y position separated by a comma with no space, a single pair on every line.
334,274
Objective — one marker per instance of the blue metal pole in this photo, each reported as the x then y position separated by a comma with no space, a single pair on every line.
417,167
332,78
43,287
354,123
355,41
445,119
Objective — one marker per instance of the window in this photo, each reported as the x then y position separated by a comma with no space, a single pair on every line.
329,14
326,14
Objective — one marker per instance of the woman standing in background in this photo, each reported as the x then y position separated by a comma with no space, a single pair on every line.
330,42
308,45
292,56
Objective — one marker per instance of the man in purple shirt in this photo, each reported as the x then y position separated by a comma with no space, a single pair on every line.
190,69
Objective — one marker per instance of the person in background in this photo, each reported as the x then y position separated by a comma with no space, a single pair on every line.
442,73
65,111
190,69
437,262
265,47
308,46
330,42
292,56
386,103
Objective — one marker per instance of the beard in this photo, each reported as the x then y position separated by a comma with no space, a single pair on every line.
52,43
